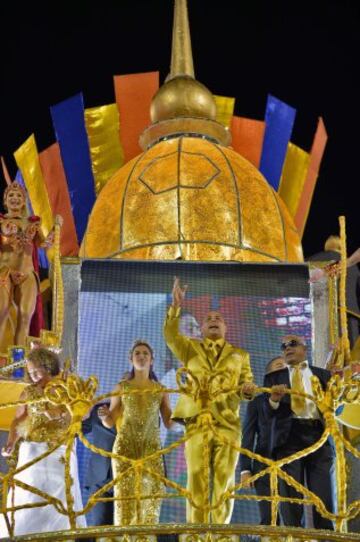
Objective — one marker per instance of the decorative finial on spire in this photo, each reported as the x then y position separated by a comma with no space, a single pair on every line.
182,105
181,95
181,53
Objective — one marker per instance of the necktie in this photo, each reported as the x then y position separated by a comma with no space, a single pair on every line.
213,350
297,384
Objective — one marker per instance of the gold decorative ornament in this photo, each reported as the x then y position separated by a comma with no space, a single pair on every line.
189,196
182,95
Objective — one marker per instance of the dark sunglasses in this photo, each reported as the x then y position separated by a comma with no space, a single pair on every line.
293,343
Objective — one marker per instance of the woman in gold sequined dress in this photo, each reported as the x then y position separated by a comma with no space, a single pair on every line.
39,426
137,418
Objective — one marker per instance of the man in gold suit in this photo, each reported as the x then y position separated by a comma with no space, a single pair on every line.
211,358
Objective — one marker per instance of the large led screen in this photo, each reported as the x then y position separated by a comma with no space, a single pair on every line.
121,301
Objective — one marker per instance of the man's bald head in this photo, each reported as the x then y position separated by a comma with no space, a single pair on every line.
294,349
213,326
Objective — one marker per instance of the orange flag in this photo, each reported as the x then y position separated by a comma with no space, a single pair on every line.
57,189
316,154
133,97
247,138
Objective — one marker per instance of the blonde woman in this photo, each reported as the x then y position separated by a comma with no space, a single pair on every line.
39,426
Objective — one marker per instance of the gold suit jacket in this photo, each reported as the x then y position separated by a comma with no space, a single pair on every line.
194,356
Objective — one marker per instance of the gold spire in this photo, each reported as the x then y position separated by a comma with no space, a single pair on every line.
181,53
182,95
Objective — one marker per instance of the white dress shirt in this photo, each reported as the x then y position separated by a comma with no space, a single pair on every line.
310,411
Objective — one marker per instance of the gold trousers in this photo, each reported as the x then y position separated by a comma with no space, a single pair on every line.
222,463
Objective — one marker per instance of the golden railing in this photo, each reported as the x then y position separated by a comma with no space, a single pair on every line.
79,396
57,288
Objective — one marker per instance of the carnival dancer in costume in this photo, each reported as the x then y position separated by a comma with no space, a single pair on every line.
40,425
138,436
19,237
205,358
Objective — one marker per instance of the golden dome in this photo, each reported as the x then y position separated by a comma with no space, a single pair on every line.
190,198
187,196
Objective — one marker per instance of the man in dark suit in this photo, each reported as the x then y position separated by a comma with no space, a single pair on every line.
332,251
296,424
255,437
99,470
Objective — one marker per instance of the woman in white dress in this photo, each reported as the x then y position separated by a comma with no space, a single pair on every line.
39,426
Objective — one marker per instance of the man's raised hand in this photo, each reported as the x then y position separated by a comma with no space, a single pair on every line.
178,292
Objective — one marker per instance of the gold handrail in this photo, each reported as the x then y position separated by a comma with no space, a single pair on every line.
58,288
79,396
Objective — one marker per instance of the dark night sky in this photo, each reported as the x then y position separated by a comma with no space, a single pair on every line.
305,53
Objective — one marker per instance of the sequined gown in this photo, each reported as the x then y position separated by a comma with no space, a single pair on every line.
138,436
47,475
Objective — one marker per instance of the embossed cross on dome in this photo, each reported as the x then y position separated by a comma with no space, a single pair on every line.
178,169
